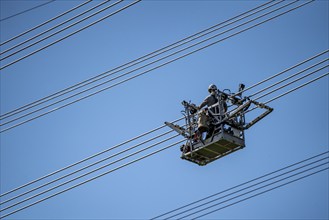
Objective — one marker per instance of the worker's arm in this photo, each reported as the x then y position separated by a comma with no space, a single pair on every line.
204,103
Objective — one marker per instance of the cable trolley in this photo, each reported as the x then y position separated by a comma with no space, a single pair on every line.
217,130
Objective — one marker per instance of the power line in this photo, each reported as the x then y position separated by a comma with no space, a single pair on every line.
93,178
129,64
44,23
74,179
79,177
282,72
22,116
181,118
27,10
146,71
268,190
86,167
63,29
52,28
90,172
248,187
69,35
291,82
296,88
289,91
237,186
285,79
88,158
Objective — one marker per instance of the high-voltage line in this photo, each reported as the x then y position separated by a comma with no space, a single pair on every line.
69,35
44,23
144,72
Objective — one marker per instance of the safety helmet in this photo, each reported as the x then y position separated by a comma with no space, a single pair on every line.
212,87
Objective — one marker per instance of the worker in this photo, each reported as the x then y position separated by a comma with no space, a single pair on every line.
212,99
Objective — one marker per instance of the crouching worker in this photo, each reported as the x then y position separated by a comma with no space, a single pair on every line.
204,124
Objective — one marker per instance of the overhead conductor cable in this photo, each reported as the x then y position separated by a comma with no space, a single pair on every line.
52,28
46,22
162,216
75,32
237,186
50,189
27,10
96,177
64,183
170,61
120,68
85,167
88,158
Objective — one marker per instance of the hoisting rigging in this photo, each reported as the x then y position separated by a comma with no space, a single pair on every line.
217,130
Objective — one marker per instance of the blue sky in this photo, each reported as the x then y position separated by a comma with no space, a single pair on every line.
296,130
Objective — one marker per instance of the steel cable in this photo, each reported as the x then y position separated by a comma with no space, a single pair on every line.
289,91
248,96
65,183
239,185
177,120
120,68
282,72
69,35
25,115
257,98
291,82
245,188
52,28
296,88
88,158
61,30
286,93
144,72
27,10
52,182
93,178
268,189
265,191
46,22
85,167
73,179
88,173
289,77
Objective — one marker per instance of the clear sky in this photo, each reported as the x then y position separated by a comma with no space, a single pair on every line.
296,130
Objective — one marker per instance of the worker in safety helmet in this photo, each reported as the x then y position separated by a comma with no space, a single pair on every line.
203,120
211,99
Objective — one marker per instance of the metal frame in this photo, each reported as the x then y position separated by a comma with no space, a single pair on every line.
225,133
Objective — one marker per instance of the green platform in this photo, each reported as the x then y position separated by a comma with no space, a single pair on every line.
214,148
